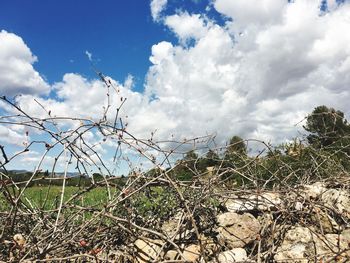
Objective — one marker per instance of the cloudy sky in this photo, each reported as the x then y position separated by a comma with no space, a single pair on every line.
253,68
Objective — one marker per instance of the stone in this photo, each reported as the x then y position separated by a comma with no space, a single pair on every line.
326,223
237,230
170,227
329,246
19,239
346,235
238,205
171,255
267,201
298,206
210,246
192,253
263,202
294,245
233,255
303,245
148,249
337,199
175,229
313,191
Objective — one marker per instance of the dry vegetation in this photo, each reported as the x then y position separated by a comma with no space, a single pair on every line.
103,221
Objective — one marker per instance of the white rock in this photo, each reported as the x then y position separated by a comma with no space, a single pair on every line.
147,249
19,239
263,202
294,245
238,205
299,206
302,245
171,255
314,190
234,255
338,199
237,230
192,253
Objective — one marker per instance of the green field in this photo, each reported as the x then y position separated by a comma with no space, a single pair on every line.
48,198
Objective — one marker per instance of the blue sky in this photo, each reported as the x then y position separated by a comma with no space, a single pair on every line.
188,68
119,34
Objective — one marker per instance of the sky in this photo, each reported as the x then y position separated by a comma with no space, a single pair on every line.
188,68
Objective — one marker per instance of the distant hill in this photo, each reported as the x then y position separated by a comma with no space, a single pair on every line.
15,171
60,174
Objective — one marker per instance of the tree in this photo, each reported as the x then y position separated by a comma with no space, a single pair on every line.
209,160
237,147
212,158
235,157
326,127
191,156
185,168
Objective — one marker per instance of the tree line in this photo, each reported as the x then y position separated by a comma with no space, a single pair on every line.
323,151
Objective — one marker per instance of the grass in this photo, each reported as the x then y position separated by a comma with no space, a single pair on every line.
48,198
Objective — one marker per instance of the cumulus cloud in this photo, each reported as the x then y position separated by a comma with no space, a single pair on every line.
256,76
79,97
186,26
249,12
157,6
17,75
11,136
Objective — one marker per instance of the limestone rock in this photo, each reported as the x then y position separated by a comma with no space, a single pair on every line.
147,249
19,239
170,227
171,255
294,245
174,228
192,253
210,246
234,255
263,202
237,230
314,190
338,199
238,205
326,223
331,245
298,206
302,245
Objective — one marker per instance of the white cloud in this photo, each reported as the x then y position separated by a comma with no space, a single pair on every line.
258,84
186,26
17,74
11,136
246,12
76,96
157,6
89,55
129,82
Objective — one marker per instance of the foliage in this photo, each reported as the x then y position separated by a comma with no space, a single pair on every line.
236,146
326,126
211,159
55,214
154,200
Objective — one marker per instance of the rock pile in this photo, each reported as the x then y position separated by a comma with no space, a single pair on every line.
309,223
